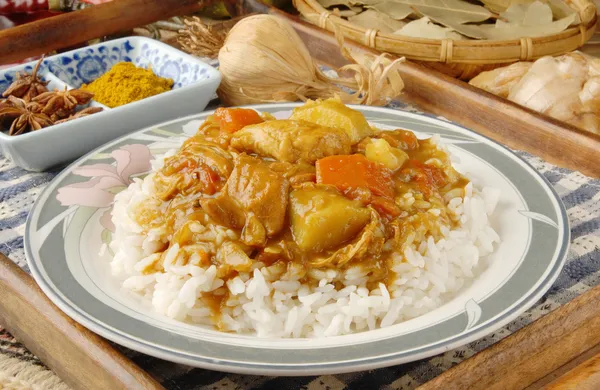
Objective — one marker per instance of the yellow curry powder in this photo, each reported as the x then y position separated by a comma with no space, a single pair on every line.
126,83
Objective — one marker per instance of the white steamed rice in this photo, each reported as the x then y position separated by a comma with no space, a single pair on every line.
268,305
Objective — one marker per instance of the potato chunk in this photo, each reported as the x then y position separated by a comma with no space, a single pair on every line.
322,219
379,150
333,113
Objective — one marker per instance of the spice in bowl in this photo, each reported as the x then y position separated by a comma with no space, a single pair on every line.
30,106
126,83
23,116
27,86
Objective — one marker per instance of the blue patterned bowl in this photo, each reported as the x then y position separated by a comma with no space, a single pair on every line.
195,82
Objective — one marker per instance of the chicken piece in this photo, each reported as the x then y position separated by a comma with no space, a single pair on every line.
254,232
255,197
199,167
209,153
367,245
295,173
291,141
260,191
224,211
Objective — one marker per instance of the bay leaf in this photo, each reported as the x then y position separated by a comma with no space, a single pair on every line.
333,3
498,6
346,13
561,10
468,30
364,3
459,11
425,28
534,14
373,19
514,31
393,9
516,15
537,14
455,10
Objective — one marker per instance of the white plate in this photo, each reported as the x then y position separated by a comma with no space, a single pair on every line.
64,236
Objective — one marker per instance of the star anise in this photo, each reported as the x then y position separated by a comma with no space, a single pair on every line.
25,116
80,114
61,114
8,111
27,86
62,100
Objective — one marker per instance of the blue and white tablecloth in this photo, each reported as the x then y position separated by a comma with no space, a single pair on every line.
581,195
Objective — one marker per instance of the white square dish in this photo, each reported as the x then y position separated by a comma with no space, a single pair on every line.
195,83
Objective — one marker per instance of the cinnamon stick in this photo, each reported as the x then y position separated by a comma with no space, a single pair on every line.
57,32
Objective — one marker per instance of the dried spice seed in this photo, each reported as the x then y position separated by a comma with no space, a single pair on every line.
29,106
24,116
85,112
63,100
27,86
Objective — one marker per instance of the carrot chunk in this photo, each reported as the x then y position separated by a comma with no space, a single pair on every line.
427,177
385,206
233,119
354,171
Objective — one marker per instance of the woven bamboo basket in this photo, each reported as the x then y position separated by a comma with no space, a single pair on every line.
463,59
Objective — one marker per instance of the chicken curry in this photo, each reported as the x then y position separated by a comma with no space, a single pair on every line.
321,190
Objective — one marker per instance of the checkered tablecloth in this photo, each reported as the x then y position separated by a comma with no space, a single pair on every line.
580,194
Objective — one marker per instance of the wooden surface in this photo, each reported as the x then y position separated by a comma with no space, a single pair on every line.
534,352
45,35
504,121
585,376
545,381
79,357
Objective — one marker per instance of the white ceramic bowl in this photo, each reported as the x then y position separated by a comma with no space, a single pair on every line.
195,84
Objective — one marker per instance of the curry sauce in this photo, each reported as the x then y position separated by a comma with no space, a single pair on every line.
299,198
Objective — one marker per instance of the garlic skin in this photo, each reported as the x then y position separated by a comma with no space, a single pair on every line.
263,60
566,88
262,57
552,86
590,94
499,81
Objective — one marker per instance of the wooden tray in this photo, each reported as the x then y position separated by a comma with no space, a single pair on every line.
546,352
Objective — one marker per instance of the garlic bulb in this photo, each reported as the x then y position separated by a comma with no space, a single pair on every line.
264,60
566,87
